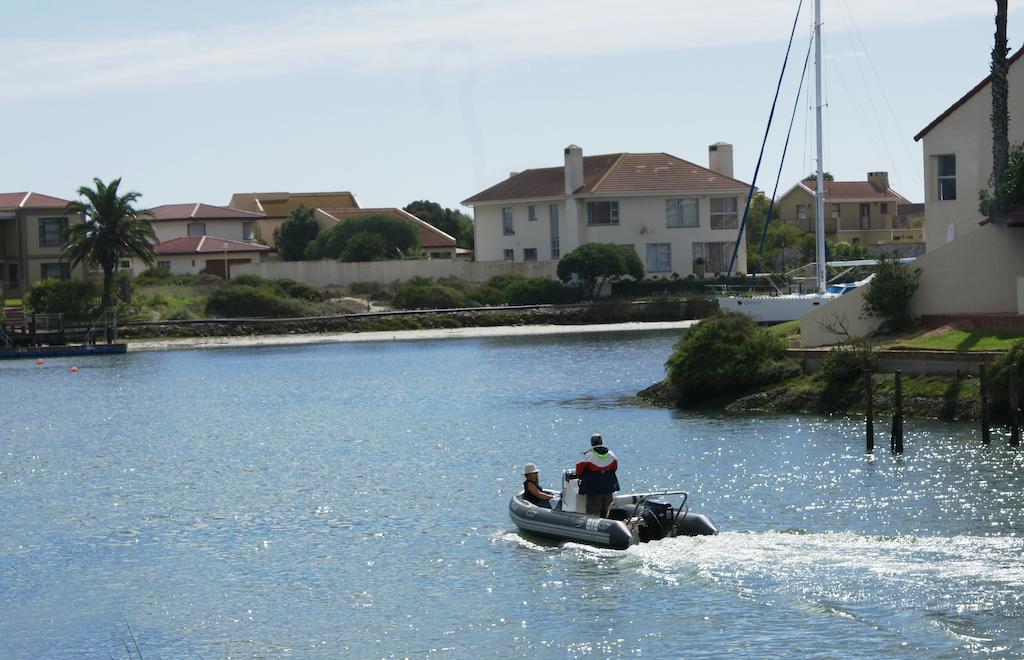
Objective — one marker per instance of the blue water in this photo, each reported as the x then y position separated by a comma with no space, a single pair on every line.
350,500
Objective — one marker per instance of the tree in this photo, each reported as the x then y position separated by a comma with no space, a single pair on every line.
889,293
813,176
113,229
1000,95
295,233
365,246
452,222
594,264
400,238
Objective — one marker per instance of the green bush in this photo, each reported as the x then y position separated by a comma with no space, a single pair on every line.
422,293
400,237
365,246
154,275
726,354
242,300
364,288
74,298
536,291
847,362
300,290
889,293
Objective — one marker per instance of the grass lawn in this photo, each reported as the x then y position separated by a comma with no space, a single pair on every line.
961,340
785,329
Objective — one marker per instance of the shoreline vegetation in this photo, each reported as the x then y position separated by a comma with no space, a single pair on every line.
725,362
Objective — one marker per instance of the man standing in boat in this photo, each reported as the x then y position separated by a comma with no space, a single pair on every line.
596,473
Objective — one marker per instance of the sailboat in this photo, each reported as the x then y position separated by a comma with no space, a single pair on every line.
791,306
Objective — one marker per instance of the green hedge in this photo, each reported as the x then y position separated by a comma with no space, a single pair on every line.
242,300
76,299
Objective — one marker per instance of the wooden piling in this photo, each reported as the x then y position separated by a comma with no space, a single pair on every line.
897,416
1014,408
985,437
870,413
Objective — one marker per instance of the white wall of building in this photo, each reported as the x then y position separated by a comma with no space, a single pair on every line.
642,221
328,272
979,273
167,230
967,134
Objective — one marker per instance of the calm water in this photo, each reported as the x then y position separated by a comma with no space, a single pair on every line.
350,500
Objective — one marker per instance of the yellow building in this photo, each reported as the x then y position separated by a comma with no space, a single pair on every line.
32,230
867,213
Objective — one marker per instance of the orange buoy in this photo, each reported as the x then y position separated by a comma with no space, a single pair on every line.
39,360
74,370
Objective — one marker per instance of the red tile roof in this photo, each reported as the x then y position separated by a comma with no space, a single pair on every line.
966,97
253,201
30,200
910,209
206,245
612,174
852,191
430,236
200,212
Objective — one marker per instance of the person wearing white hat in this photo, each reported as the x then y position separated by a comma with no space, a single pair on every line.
532,491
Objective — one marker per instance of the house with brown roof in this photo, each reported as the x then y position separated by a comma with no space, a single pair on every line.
957,148
434,243
277,206
209,254
171,221
669,210
856,212
32,230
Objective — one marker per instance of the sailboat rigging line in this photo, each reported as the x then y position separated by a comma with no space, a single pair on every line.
767,129
785,148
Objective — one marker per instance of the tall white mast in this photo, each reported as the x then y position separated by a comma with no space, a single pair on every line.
819,193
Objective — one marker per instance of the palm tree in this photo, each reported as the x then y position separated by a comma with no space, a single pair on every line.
113,228
1000,92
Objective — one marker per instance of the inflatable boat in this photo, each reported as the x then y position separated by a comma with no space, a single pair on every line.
634,518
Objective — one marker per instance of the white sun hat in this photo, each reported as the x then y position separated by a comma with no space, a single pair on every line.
530,468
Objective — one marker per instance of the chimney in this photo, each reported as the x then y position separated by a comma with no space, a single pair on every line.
512,174
720,158
573,169
879,180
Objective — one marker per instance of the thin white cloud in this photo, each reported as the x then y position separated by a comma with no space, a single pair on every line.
416,34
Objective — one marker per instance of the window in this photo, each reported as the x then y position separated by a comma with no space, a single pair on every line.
835,211
602,213
801,211
506,222
659,257
125,263
197,229
531,213
681,213
947,177
248,231
529,254
12,275
723,213
164,265
716,256
59,271
510,255
51,231
884,208
556,250
865,216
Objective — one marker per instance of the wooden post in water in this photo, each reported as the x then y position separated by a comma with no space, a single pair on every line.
985,438
897,417
870,412
1014,409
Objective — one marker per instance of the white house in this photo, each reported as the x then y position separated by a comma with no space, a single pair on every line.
209,254
171,221
669,210
958,156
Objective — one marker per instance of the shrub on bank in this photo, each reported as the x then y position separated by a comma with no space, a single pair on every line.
243,300
423,293
726,354
847,362
74,298
999,374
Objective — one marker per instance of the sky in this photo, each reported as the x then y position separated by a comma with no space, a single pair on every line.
398,100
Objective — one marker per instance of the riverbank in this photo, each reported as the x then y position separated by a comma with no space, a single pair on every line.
190,343
943,397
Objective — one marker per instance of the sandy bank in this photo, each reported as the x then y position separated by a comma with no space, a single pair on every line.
189,343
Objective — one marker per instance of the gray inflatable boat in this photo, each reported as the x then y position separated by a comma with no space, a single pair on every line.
634,518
